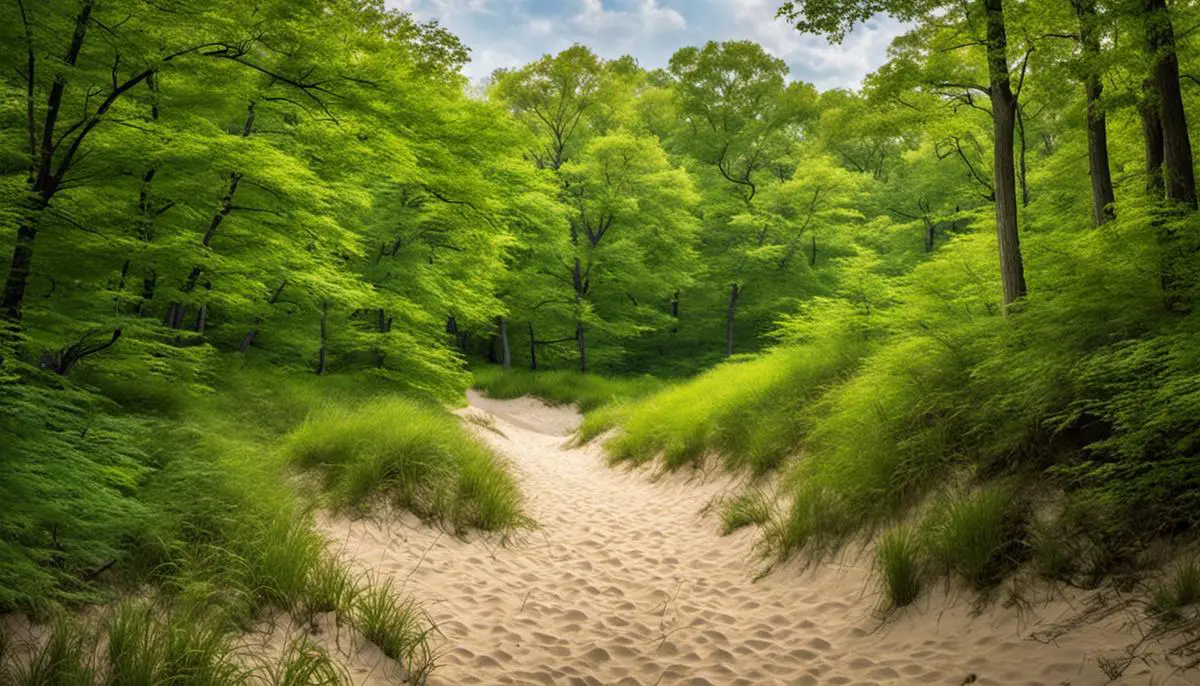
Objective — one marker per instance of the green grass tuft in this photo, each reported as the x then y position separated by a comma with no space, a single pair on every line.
978,536
1180,589
307,664
397,626
898,562
749,508
63,659
414,455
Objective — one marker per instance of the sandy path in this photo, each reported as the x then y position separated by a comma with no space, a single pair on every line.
625,584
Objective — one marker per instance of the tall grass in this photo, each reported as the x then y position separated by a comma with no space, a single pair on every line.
416,456
752,413
588,391
898,561
397,626
214,538
978,536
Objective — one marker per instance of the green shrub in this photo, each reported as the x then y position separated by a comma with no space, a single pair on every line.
898,561
416,456
978,536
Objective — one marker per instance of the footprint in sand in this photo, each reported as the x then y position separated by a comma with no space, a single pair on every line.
625,583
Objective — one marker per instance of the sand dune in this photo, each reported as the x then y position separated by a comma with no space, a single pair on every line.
624,583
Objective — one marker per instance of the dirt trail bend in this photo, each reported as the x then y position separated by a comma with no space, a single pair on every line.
625,583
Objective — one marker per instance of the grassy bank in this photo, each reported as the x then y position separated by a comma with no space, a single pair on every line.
180,494
589,392
1060,438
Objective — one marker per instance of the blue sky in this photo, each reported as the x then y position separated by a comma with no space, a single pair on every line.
507,33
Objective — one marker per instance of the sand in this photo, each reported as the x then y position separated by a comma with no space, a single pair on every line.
625,582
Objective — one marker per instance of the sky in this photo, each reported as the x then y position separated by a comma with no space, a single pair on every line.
510,33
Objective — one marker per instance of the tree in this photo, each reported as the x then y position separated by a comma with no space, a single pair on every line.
740,120
834,18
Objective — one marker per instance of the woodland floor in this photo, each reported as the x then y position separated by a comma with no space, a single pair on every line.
626,582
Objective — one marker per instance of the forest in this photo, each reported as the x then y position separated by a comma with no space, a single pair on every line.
254,253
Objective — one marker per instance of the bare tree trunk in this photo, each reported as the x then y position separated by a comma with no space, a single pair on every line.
581,342
505,351
1023,169
734,291
1179,173
1012,270
532,349
1103,197
323,351
248,339
1152,134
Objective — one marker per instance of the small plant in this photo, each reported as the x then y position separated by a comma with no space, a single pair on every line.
1055,555
64,659
396,625
306,664
148,647
978,536
1180,589
749,508
282,554
898,559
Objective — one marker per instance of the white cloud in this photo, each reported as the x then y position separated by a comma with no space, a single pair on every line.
508,33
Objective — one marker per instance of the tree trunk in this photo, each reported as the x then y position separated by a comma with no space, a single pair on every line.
581,342
734,291
1152,134
1023,170
1179,173
323,351
248,339
812,257
1004,105
532,349
505,351
1103,197
45,184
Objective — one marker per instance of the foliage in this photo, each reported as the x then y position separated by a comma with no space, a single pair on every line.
415,456
589,392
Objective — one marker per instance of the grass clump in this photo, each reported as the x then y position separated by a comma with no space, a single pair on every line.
749,508
64,658
1180,589
307,664
397,626
751,412
587,391
977,536
414,455
149,646
898,560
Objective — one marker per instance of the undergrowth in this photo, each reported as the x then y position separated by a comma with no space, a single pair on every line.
915,399
177,493
589,392
416,456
